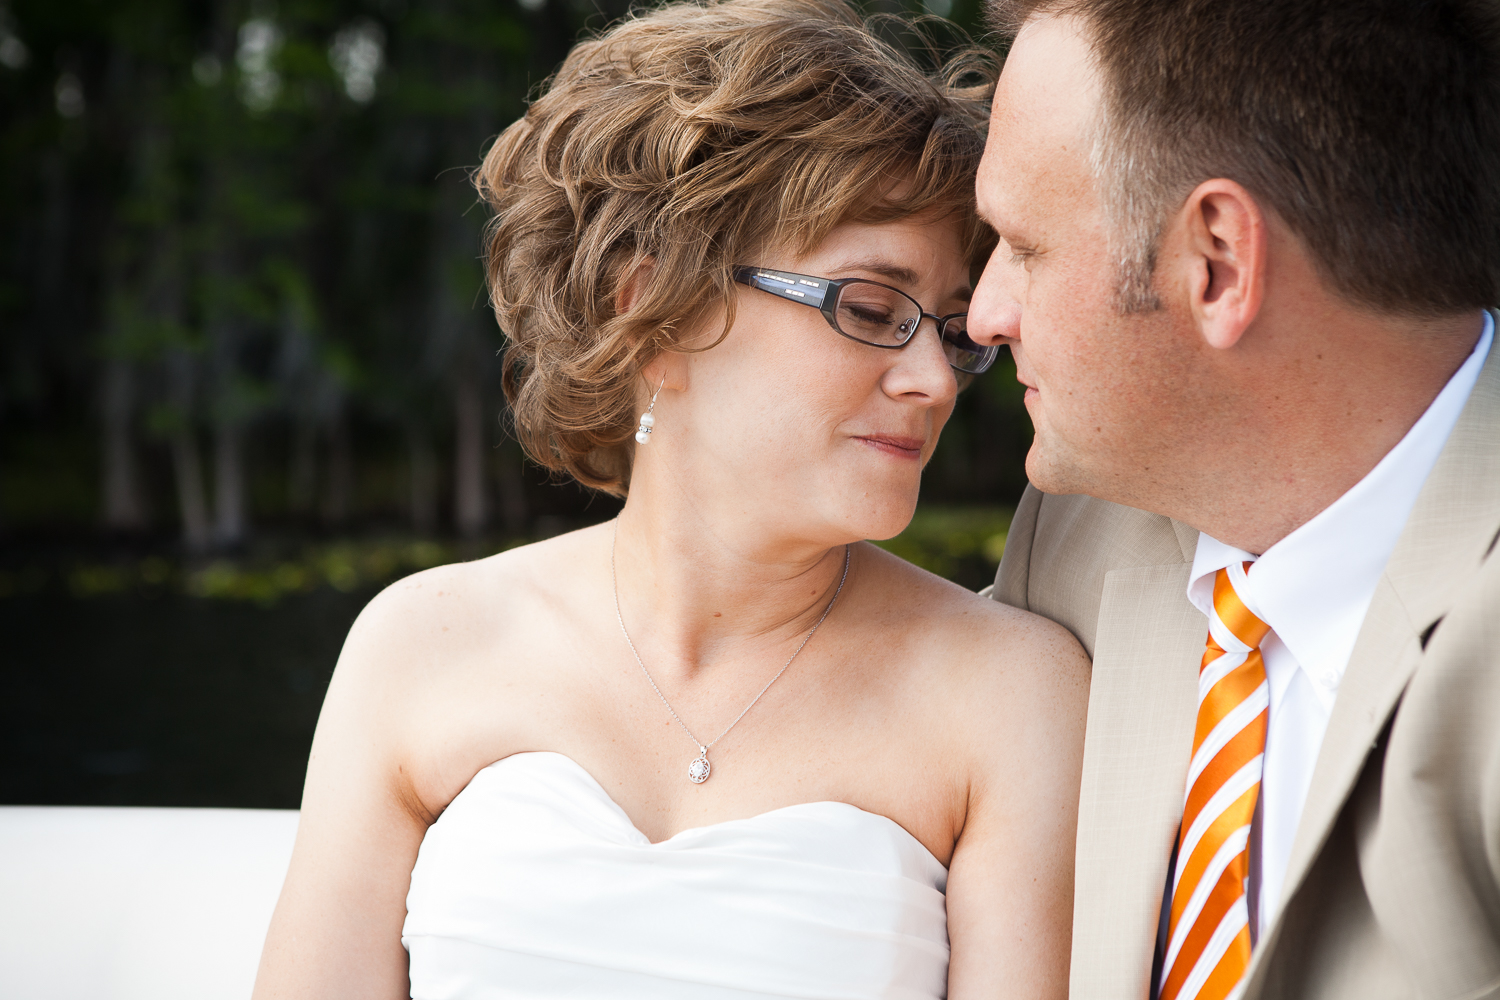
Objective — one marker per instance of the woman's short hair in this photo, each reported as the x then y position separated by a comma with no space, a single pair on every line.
694,136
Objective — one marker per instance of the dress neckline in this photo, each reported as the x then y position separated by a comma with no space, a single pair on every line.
625,819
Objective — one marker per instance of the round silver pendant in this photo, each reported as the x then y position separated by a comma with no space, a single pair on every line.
698,771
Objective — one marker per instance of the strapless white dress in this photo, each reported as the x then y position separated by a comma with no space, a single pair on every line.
534,883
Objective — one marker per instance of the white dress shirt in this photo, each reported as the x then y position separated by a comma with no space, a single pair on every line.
1313,588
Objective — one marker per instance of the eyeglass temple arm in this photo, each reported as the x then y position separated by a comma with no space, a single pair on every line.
802,288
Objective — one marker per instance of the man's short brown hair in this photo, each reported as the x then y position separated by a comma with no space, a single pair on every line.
1370,127
695,136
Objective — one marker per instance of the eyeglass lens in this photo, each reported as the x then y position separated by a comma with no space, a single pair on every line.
879,315
876,314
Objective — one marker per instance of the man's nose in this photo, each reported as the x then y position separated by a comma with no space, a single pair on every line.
995,311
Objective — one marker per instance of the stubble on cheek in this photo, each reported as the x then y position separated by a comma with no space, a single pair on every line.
1088,408
1052,464
1133,403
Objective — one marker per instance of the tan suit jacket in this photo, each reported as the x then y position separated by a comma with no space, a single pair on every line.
1393,887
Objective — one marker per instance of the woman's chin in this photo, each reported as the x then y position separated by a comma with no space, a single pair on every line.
880,521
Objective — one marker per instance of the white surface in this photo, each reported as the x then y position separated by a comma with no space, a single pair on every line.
1313,589
535,884
118,903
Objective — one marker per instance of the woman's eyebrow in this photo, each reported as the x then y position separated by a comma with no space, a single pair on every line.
886,269
898,273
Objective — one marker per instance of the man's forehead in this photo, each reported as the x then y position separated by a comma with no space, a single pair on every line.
1044,110
1049,86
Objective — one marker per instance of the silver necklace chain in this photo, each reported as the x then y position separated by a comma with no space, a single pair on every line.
698,770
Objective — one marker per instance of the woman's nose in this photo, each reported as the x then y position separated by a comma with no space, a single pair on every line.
921,366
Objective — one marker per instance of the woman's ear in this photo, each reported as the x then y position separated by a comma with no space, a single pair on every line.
1226,247
634,285
668,370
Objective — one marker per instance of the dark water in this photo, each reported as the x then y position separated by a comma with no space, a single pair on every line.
172,700
167,701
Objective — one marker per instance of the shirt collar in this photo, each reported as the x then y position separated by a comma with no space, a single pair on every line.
1314,586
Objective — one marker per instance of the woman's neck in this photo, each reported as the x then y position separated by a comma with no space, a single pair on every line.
700,590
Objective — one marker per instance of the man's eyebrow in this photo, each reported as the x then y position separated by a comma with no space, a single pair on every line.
1009,238
1003,229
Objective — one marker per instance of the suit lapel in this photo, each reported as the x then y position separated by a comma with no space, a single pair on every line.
1142,705
1450,530
1187,538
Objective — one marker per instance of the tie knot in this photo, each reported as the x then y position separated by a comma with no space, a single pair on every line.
1232,612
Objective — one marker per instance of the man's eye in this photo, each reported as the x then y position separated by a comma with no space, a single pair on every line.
1021,256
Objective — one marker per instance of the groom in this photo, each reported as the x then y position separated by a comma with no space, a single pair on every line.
1247,250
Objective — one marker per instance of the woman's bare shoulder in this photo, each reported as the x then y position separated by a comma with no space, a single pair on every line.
971,627
447,651
986,663
440,617
430,683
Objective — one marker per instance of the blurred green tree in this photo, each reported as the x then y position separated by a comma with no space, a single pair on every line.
240,269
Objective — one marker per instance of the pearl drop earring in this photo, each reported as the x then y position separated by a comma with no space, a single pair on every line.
648,421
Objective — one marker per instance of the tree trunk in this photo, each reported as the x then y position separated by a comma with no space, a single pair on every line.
302,476
455,334
336,501
230,409
230,521
124,506
469,507
51,255
187,467
512,488
423,480
191,505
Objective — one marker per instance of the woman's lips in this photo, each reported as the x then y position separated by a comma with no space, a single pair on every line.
899,447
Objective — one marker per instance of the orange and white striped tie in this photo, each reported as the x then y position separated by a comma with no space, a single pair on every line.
1208,934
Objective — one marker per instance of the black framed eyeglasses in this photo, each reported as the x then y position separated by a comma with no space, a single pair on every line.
873,313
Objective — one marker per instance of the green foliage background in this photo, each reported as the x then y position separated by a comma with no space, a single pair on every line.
241,302
247,374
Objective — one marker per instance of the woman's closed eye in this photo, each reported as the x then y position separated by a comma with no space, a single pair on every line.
871,317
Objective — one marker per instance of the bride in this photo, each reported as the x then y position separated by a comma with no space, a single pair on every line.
719,747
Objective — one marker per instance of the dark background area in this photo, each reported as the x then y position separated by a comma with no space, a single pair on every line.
248,376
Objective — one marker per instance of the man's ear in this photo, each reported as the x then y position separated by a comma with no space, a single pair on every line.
634,285
1226,242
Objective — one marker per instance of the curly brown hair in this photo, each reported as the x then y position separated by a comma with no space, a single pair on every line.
694,136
